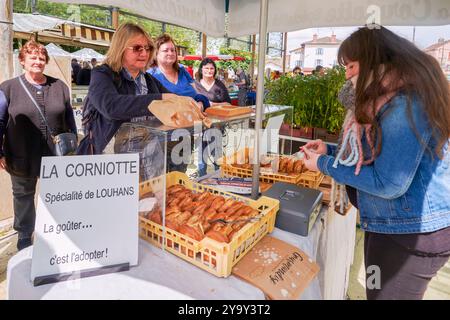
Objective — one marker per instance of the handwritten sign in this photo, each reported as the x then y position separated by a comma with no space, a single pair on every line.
87,214
279,269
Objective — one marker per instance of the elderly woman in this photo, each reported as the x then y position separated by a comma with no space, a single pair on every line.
24,140
120,90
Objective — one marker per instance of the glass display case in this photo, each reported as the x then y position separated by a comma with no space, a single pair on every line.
163,149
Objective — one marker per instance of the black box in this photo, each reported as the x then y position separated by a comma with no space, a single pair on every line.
299,207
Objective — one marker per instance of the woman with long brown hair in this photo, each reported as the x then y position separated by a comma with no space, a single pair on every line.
395,153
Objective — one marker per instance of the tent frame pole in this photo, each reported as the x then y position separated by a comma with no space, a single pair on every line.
264,8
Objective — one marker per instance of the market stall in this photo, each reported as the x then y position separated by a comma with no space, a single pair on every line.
150,141
162,275
338,239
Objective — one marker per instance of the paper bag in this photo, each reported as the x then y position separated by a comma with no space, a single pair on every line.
178,112
279,269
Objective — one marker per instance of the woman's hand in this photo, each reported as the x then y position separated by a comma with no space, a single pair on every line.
318,146
2,164
310,159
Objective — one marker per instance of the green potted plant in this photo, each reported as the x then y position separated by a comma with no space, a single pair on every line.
315,103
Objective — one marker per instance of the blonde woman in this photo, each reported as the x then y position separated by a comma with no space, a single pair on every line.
120,90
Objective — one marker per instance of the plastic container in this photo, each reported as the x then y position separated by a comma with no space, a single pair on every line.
215,257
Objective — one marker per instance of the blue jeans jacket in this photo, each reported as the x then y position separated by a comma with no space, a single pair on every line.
407,188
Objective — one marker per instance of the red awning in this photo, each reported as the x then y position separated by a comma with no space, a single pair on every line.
212,57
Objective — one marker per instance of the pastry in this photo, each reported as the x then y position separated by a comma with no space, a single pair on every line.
218,236
218,203
298,166
290,166
191,232
199,209
156,217
228,203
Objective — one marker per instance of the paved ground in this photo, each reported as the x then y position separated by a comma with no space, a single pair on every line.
5,196
438,289
7,250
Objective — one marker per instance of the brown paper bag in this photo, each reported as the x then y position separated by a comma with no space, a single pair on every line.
178,112
279,269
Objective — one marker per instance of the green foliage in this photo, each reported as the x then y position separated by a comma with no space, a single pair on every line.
235,64
314,98
87,14
98,17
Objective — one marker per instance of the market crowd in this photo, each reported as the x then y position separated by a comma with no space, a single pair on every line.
392,155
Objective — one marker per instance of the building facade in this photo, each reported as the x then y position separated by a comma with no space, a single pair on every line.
441,52
318,51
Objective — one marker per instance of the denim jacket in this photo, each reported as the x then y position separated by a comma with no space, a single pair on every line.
407,188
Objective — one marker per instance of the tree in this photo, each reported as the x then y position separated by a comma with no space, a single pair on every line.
102,18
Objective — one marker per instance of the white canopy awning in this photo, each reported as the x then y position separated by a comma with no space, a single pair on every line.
25,22
87,54
204,16
54,50
208,16
291,15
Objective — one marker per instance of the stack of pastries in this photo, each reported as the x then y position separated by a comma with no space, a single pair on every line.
190,214
285,165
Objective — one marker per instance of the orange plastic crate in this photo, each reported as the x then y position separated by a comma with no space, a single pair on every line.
309,179
215,257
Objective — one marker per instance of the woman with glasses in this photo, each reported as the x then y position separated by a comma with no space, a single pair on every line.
208,85
120,90
217,94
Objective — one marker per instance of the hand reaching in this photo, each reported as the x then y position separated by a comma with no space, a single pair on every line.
310,159
318,146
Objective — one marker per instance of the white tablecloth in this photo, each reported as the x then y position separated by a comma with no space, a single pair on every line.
161,275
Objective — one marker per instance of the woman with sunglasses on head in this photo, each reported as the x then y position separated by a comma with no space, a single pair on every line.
395,152
120,90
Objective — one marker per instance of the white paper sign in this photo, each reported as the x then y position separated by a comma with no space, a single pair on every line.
87,213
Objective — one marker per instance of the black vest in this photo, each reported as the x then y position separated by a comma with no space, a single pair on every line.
26,136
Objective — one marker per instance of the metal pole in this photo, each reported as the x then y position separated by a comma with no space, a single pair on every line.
252,64
33,6
204,48
259,92
284,51
115,18
6,40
